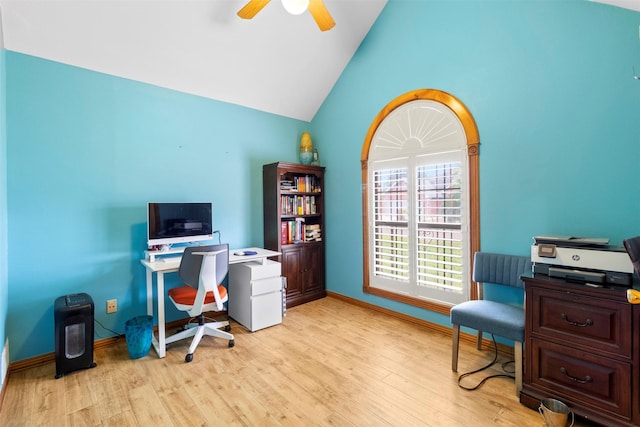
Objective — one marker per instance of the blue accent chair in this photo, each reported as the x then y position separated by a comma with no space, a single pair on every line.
496,318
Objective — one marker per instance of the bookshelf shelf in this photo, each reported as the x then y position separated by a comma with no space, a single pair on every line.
293,203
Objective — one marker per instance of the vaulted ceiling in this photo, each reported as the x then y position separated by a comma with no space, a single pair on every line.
276,62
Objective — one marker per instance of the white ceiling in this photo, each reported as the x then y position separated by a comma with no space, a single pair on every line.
276,62
627,4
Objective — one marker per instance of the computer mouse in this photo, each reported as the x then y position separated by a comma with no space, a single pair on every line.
242,253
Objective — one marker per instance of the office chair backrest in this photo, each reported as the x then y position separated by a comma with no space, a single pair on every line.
190,265
500,269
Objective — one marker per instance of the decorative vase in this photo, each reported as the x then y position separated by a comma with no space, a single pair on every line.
306,149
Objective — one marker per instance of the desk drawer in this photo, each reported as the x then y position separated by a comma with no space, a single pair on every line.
594,380
256,270
585,321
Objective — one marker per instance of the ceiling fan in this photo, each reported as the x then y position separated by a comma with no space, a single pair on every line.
316,7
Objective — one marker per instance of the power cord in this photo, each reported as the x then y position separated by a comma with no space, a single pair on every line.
219,236
507,374
116,334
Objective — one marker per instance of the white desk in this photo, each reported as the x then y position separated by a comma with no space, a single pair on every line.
160,268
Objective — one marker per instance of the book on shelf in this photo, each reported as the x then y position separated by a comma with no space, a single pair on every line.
300,184
298,205
284,233
296,231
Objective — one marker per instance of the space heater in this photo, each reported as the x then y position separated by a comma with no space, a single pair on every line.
73,333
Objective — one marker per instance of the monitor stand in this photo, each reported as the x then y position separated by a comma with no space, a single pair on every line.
151,255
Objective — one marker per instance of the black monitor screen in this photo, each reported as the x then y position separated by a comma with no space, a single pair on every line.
170,223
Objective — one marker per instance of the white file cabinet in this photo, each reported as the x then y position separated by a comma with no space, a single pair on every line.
255,294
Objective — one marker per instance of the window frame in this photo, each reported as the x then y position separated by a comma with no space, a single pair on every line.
472,143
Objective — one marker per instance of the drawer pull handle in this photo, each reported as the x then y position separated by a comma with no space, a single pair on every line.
586,379
589,322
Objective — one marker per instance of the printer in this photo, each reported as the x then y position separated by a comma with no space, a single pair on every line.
583,259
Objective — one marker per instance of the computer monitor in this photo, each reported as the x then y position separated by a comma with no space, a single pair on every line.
172,223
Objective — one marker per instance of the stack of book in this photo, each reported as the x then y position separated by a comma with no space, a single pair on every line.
287,185
312,233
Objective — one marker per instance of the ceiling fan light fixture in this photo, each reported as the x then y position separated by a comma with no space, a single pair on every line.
295,7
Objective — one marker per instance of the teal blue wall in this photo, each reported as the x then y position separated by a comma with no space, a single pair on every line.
550,86
3,205
85,153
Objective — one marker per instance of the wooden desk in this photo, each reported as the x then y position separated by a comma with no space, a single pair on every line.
160,268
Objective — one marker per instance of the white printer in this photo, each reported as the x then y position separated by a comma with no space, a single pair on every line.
584,259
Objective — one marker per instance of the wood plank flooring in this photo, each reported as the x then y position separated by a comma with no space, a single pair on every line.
330,363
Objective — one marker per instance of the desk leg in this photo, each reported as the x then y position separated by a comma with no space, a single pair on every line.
161,348
149,292
154,341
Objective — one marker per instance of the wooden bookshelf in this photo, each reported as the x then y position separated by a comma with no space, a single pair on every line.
293,210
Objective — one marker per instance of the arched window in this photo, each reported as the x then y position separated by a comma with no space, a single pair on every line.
420,200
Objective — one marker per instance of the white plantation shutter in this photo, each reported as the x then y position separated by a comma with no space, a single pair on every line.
391,224
418,205
441,226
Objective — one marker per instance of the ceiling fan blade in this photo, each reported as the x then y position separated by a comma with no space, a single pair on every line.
321,15
252,8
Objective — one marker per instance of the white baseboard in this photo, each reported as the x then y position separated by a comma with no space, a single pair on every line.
4,363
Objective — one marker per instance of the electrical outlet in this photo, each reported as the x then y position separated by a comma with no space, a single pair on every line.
112,306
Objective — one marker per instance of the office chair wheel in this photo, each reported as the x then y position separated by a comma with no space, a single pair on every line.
227,328
188,358
232,343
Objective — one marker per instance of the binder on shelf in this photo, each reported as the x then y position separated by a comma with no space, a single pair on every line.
284,235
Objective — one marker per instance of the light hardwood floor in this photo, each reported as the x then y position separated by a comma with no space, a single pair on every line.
329,363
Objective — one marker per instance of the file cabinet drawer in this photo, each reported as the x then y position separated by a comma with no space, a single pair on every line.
256,270
581,376
582,320
265,286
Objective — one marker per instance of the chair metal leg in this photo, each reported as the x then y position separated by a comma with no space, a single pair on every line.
517,353
454,347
